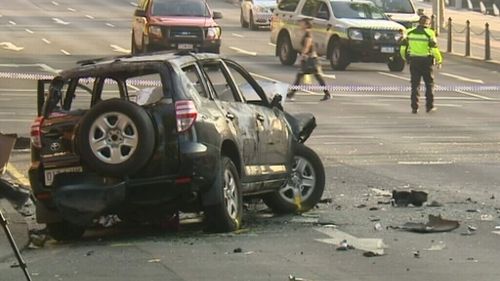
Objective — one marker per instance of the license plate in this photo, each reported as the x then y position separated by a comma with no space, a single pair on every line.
185,46
387,50
50,174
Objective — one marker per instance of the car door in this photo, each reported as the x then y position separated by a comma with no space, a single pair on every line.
240,118
272,132
322,27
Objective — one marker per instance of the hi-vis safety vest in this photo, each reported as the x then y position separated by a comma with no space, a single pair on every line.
420,42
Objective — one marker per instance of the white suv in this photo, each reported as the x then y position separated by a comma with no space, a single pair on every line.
256,13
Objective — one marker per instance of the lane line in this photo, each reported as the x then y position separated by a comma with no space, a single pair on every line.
394,76
243,51
29,31
55,3
119,49
463,78
16,120
473,95
89,17
46,41
237,35
71,10
16,175
109,24
448,105
60,21
12,22
10,46
424,162
435,137
65,52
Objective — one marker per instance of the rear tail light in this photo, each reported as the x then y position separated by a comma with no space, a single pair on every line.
185,113
36,132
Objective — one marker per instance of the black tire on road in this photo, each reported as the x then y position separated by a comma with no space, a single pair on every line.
312,184
339,56
243,23
133,46
65,231
396,64
252,24
116,137
226,216
286,53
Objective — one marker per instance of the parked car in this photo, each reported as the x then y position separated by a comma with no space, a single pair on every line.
175,25
256,13
345,31
401,11
143,137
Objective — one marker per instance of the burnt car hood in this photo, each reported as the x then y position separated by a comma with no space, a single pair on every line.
183,21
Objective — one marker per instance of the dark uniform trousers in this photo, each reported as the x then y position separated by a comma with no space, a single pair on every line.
422,67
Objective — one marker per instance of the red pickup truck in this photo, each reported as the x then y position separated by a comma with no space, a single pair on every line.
175,24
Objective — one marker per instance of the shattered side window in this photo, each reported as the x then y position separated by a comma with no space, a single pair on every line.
194,77
145,89
110,89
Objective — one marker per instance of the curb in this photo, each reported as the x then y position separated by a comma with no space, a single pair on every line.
18,227
490,64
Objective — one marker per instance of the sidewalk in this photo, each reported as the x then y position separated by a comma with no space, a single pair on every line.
18,227
477,24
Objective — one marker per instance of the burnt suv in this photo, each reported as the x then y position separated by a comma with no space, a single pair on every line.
175,25
144,137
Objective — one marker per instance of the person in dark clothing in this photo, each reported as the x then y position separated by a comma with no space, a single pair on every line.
419,49
308,57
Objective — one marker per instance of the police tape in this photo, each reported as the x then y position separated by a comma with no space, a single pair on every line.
332,88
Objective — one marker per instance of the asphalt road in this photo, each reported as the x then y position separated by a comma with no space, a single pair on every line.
367,140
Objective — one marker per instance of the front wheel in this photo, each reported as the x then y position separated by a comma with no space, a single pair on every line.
286,53
339,56
396,64
225,216
252,24
304,187
243,23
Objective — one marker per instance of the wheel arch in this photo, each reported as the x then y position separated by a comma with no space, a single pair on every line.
230,149
281,35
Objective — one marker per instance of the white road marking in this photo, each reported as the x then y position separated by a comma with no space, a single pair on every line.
46,41
65,52
29,31
264,77
55,3
16,120
109,24
41,65
12,22
243,51
394,76
271,44
133,4
237,35
448,105
342,137
462,78
60,21
10,46
473,95
71,10
119,49
424,162
330,76
89,17
336,236
435,137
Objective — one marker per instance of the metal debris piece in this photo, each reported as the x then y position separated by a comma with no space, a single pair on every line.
435,224
344,246
371,254
487,217
416,254
326,201
437,247
378,227
373,209
360,206
238,250
380,192
293,278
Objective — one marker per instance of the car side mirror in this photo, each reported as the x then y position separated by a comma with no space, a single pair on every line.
217,15
276,102
140,13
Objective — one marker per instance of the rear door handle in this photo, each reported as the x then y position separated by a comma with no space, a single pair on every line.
230,116
260,117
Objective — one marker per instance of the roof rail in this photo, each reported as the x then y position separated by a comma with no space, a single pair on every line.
96,60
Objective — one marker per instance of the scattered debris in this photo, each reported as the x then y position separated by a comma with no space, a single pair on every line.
373,209
326,201
437,247
487,217
336,237
109,220
380,192
89,253
378,227
472,259
470,200
154,260
374,219
404,198
435,204
416,254
471,230
473,211
435,224
344,246
492,197
360,206
238,250
293,278
371,254
384,202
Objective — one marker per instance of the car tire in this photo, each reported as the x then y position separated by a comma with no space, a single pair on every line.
133,46
251,23
227,215
286,53
308,171
65,231
243,23
339,56
396,64
116,138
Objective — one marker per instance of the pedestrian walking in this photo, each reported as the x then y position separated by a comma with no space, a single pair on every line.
419,49
308,62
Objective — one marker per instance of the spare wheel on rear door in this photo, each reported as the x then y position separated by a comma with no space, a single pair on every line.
116,137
